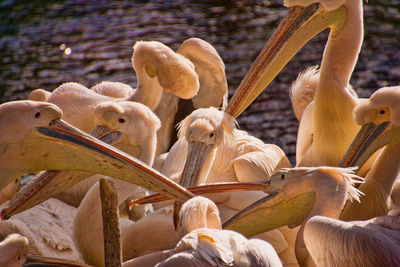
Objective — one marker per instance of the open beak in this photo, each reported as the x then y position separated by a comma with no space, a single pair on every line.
73,149
208,189
369,139
196,157
294,31
271,212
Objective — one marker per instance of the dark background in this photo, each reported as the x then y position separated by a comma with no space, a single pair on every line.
101,34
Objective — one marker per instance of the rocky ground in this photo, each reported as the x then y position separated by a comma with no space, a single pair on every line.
35,36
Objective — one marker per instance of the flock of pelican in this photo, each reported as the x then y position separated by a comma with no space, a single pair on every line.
175,137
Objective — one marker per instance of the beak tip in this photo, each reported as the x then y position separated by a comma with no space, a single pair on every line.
3,215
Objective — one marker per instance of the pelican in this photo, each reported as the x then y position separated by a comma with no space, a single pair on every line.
380,128
142,144
211,149
204,243
38,139
326,128
121,119
374,242
213,90
298,194
13,250
124,118
158,68
60,146
214,151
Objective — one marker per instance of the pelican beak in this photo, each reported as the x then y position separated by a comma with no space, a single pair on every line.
196,157
294,31
48,184
369,139
71,148
36,260
271,212
208,189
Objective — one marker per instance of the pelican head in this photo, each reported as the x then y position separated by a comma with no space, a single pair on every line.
305,19
295,194
136,123
211,71
380,120
13,250
175,73
205,130
26,125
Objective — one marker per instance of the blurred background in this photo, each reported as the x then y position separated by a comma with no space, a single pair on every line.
46,43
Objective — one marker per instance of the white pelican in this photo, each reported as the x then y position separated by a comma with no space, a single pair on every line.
326,127
37,139
137,126
214,151
380,122
374,242
297,195
139,132
203,243
124,118
211,149
118,124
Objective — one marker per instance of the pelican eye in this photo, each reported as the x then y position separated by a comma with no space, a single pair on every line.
121,120
282,176
382,112
211,135
19,258
37,114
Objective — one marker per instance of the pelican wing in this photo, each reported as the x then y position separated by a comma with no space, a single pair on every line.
260,165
